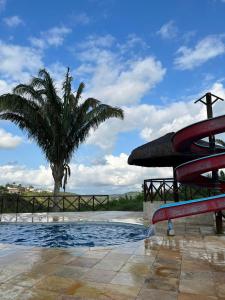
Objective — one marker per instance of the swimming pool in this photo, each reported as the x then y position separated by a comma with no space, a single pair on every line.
71,234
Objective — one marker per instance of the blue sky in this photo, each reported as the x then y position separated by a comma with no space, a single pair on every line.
152,58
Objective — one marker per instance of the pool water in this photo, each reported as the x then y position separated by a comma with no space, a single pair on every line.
71,234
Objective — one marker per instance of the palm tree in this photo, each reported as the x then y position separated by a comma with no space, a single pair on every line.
59,124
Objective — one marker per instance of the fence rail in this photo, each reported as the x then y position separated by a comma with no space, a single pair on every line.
167,189
39,203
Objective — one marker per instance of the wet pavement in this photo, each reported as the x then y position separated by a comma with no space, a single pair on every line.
190,265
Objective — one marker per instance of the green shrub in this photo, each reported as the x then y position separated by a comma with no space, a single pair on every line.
126,203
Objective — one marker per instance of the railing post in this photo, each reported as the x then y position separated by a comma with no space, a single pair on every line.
2,199
63,204
33,205
93,202
79,203
145,191
175,187
151,191
1,207
161,191
107,201
48,204
164,191
17,204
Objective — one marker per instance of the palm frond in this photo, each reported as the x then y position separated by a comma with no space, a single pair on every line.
81,127
29,92
67,86
79,91
16,103
39,134
37,83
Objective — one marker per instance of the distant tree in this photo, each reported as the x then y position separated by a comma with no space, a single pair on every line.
3,188
220,142
59,124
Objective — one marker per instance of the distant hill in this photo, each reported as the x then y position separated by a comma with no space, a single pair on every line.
124,195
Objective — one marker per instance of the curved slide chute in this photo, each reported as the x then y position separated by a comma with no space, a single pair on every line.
191,172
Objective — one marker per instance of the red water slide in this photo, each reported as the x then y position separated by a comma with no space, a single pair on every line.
192,172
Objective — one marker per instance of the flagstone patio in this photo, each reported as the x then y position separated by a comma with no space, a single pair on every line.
190,265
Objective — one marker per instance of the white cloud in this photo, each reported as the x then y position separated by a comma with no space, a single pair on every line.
8,141
18,62
204,50
152,121
188,36
115,176
81,19
13,21
40,177
116,79
37,42
146,133
168,30
57,71
6,87
53,37
125,84
134,43
149,120
94,42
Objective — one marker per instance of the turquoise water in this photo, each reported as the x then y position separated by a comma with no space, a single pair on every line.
71,234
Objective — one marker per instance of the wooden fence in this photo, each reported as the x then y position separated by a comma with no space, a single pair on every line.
167,189
39,203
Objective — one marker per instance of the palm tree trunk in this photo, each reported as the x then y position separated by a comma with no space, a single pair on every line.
56,197
57,172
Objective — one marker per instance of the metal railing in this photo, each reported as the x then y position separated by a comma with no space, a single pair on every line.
63,203
167,189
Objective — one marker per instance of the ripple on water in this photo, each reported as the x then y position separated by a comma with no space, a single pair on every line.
71,234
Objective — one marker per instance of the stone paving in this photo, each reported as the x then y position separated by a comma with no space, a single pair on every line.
190,265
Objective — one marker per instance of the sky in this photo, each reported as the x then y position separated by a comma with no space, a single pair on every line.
151,58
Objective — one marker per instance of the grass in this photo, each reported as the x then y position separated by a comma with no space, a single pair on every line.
127,203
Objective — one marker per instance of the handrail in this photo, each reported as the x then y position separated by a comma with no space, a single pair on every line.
16,203
167,190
